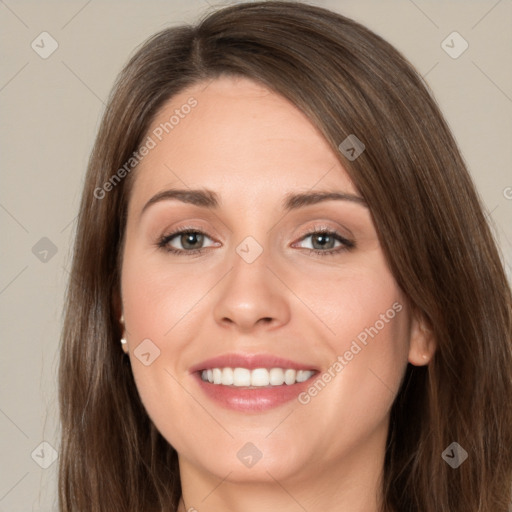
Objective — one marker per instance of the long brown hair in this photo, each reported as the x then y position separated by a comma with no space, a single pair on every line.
431,227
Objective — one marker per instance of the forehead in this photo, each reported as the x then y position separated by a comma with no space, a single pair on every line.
239,137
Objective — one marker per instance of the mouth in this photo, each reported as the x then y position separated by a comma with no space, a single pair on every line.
252,382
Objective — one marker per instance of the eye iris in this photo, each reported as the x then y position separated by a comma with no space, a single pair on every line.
188,239
324,240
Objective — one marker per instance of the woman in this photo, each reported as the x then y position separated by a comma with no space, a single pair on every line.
284,292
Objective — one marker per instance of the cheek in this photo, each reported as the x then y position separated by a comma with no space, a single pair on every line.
155,296
359,303
161,313
367,334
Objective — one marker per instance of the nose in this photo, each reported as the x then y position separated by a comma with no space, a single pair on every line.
252,297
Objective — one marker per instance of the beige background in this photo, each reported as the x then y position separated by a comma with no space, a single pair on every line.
50,113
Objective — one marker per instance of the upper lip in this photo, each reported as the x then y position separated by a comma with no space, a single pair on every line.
249,361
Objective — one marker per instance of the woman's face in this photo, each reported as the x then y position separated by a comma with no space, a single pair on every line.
268,290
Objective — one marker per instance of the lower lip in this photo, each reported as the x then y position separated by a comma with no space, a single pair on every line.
252,399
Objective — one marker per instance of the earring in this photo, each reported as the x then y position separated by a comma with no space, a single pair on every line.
123,340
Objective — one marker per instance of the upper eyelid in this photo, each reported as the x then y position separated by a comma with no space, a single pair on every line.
309,231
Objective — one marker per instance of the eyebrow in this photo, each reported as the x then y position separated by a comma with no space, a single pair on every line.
208,199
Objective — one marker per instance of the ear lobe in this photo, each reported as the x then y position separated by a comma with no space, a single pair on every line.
118,312
124,344
422,344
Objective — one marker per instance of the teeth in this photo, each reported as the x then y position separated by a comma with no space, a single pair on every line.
289,376
302,375
217,375
276,376
227,376
241,377
259,377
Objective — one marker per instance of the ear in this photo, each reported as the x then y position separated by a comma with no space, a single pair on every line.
124,344
422,344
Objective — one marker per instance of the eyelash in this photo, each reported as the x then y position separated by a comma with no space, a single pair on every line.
163,241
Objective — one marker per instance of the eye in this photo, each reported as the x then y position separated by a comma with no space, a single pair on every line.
184,241
323,241
188,241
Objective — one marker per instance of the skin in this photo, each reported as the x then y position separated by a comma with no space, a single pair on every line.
252,147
